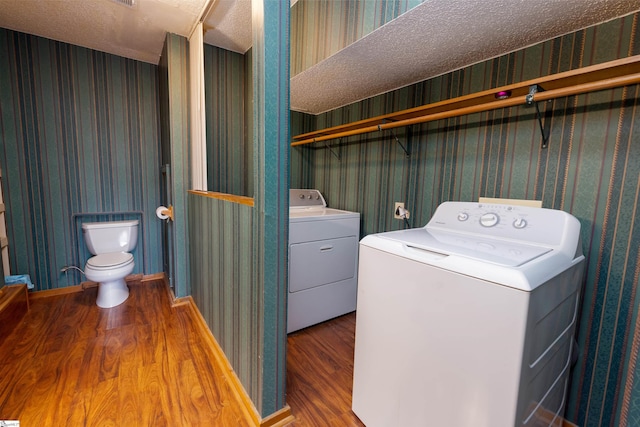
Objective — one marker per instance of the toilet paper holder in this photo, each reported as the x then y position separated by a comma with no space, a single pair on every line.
164,212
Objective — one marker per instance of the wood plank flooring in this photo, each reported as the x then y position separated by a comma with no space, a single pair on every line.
320,374
143,363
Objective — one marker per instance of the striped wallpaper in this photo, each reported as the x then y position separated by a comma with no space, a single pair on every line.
238,253
223,282
175,142
79,135
229,152
591,169
271,139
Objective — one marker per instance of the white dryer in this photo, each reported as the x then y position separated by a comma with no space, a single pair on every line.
323,260
469,321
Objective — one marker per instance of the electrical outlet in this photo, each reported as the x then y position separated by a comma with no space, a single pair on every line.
395,210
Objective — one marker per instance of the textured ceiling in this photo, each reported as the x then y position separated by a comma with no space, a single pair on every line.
433,38
439,36
228,25
136,32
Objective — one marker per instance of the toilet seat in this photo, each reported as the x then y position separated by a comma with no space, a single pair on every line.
110,261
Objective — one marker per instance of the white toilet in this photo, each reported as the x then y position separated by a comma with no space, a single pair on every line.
111,242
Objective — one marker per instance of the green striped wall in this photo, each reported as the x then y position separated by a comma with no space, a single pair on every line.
229,152
239,253
223,282
271,138
173,71
339,23
79,134
591,169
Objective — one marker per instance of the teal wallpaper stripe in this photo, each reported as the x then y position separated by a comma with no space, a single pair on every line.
79,133
590,169
223,283
630,412
271,136
229,161
239,253
175,142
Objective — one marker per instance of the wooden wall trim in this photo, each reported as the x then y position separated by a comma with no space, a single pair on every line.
60,291
243,200
86,285
152,277
279,418
223,364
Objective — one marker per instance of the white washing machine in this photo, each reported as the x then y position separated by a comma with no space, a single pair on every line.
468,321
323,260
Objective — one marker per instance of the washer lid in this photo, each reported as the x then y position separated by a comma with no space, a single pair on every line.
495,251
110,260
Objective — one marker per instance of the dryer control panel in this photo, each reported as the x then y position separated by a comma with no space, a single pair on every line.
299,198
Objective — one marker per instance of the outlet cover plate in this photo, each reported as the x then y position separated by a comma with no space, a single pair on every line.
395,209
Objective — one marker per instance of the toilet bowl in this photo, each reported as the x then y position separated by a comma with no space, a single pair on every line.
109,270
110,243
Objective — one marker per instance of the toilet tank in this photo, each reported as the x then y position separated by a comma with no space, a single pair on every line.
110,236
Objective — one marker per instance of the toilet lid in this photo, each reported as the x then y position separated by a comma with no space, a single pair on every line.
109,260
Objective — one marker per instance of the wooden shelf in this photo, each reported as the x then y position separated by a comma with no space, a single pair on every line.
243,200
608,75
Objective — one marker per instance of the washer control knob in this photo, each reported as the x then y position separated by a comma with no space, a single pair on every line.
309,197
463,216
520,223
489,219
301,196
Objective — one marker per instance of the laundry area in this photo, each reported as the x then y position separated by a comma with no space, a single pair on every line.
470,320
323,260
314,172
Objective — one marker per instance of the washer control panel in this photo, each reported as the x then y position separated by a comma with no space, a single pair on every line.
537,225
492,217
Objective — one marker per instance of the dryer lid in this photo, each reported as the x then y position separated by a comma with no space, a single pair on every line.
111,259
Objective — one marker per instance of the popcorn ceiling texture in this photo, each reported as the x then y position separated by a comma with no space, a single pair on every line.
434,37
229,25
439,36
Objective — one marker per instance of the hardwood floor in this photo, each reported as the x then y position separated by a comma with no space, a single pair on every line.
142,363
320,374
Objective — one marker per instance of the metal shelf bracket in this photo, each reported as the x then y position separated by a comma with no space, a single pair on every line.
331,149
406,151
545,128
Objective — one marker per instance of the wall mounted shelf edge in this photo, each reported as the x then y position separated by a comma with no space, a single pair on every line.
608,75
242,200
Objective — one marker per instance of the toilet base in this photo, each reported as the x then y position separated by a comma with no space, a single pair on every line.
111,294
